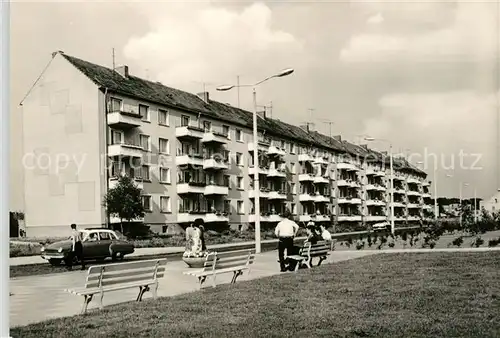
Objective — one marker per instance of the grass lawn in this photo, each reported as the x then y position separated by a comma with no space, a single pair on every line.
390,295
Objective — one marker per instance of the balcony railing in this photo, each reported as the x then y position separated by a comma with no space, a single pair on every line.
189,132
122,119
125,150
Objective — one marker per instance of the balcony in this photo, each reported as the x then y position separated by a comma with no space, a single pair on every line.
376,218
397,178
124,150
214,189
354,184
265,217
355,200
276,172
398,191
305,218
375,203
208,217
216,164
113,181
191,188
426,184
320,160
348,218
305,197
262,146
413,218
306,178
413,206
194,160
321,218
371,187
190,132
277,195
413,180
124,120
262,171
305,158
398,204
343,200
347,166
275,151
343,183
321,199
321,179
413,193
426,195
214,137
263,193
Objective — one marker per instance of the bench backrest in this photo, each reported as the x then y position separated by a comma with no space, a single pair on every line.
229,259
318,249
123,273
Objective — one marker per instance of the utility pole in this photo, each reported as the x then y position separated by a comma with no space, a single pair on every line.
238,89
113,56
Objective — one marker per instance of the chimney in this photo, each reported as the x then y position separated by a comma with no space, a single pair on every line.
305,127
262,114
204,96
337,137
122,70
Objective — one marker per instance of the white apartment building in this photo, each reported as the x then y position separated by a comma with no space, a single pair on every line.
85,124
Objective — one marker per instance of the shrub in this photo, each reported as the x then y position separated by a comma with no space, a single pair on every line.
493,242
360,245
478,241
458,241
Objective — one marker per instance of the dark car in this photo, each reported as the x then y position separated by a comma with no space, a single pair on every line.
98,244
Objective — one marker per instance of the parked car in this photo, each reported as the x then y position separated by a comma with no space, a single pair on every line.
98,244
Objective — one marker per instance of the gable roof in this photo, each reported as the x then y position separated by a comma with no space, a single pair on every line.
156,92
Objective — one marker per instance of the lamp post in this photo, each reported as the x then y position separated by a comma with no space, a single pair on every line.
392,178
284,72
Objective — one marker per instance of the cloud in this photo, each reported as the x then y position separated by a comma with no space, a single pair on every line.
471,35
190,43
375,19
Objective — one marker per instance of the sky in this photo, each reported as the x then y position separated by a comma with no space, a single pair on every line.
423,75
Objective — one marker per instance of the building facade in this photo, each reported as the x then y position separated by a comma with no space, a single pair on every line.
192,157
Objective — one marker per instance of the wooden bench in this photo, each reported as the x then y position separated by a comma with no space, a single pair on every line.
309,251
120,276
224,262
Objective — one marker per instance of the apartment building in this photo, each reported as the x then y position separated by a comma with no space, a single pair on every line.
192,157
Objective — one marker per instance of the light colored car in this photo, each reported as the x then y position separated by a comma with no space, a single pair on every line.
98,244
379,226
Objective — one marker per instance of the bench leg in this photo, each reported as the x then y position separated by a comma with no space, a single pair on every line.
142,291
86,301
202,280
297,266
155,290
321,259
236,274
214,284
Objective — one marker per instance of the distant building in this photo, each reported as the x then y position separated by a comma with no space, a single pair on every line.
491,204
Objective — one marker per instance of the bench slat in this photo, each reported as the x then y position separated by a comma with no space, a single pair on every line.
228,265
207,273
126,280
243,252
96,269
90,291
125,273
230,260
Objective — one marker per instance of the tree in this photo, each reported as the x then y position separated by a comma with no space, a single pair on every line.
124,201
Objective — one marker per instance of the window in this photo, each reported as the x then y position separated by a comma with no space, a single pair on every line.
282,144
164,146
145,172
207,126
240,207
165,204
293,188
293,169
225,130
163,117
104,236
292,148
226,180
116,137
294,209
116,105
146,203
185,121
239,135
239,158
145,144
165,175
239,183
144,112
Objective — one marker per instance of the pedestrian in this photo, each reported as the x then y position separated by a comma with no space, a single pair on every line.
76,248
325,234
285,231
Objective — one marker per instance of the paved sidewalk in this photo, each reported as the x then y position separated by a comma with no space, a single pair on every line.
143,252
38,298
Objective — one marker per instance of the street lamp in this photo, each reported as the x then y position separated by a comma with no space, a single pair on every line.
462,184
283,73
392,178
